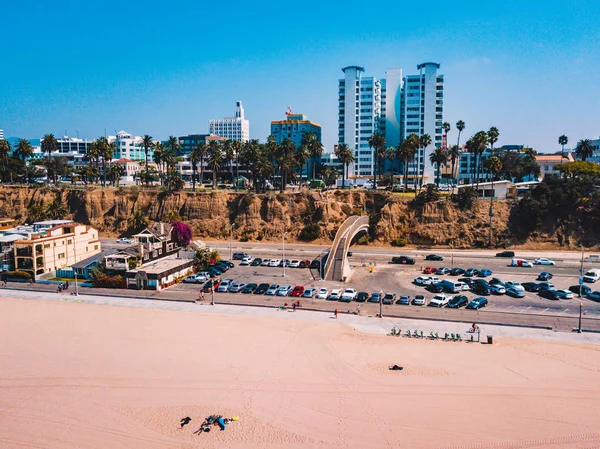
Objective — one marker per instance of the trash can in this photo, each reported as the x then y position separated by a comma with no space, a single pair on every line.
490,339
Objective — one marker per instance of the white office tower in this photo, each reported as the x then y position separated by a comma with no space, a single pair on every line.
233,128
423,114
129,146
359,116
391,105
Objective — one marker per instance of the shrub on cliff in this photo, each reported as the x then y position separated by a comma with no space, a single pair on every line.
465,198
400,241
106,281
310,232
18,275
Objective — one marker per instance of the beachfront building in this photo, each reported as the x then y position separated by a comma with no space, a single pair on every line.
294,127
232,128
52,248
596,154
129,146
189,142
549,162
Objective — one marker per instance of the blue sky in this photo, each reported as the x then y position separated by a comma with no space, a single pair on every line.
530,68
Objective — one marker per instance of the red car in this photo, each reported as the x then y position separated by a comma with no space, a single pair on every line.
297,291
430,270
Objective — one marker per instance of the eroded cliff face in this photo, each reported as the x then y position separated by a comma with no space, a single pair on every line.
263,217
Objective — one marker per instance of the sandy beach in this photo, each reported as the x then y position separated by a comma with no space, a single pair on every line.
95,376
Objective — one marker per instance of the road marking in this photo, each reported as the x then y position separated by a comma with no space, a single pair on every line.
563,312
510,307
525,310
547,308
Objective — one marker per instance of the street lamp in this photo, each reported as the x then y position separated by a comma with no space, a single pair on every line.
231,241
283,251
581,279
580,311
74,262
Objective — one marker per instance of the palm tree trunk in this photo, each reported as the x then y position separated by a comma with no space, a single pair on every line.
477,171
214,174
405,175
194,170
201,172
452,175
344,176
237,171
146,154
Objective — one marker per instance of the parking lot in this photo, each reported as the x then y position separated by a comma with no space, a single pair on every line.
375,275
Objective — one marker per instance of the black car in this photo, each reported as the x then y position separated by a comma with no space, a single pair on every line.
477,303
480,289
496,281
457,272
458,301
362,297
544,276
506,254
546,286
315,264
256,262
549,294
228,263
433,257
261,289
471,272
585,290
284,261
436,287
481,282
404,260
531,286
467,281
249,288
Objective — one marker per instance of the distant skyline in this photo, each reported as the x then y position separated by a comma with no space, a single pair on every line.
528,68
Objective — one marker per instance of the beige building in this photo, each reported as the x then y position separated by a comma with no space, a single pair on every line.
548,163
55,248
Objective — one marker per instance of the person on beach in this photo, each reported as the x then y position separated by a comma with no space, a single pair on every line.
67,285
358,309
294,306
185,421
336,313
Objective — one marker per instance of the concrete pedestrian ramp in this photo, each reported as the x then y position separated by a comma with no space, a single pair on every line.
337,267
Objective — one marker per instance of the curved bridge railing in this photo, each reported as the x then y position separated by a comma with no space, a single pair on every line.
337,266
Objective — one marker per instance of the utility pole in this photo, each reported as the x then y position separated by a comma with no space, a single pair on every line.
580,281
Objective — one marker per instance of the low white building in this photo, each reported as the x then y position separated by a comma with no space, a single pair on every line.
500,190
129,146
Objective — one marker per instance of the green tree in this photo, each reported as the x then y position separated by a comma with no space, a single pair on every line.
446,127
346,156
215,159
476,145
23,151
579,168
147,143
454,155
237,149
49,144
424,142
562,141
284,157
173,180
159,159
57,166
5,150
377,143
460,126
173,145
438,157
137,221
390,155
228,156
407,151
104,150
315,148
494,166
115,173
302,156
584,149
329,175
197,155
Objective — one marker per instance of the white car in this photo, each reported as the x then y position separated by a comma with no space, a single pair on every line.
125,240
422,280
247,260
323,293
521,263
274,262
335,294
349,294
565,294
272,290
435,279
419,300
224,285
497,289
515,285
440,300
543,261
197,278
284,290
295,264
265,262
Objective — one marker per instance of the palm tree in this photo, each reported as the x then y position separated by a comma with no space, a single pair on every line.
460,125
345,156
215,159
5,150
284,157
446,127
424,142
115,173
494,165
584,149
237,148
159,155
228,156
454,155
476,145
377,143
562,141
315,148
196,155
406,152
147,144
302,156
104,150
49,144
438,157
330,175
390,155
173,145
23,150
493,135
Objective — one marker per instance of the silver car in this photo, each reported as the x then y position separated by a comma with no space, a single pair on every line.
272,290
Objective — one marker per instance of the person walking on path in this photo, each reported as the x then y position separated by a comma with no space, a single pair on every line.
294,306
358,309
336,313
66,285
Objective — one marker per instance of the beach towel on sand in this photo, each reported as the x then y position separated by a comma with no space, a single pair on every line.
221,423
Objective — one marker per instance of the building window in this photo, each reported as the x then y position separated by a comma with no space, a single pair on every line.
95,246
69,242
47,245
61,255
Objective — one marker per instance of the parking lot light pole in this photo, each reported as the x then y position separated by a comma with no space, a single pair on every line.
212,300
580,312
381,304
581,279
283,251
231,241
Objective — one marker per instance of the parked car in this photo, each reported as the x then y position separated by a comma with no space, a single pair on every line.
323,293
591,275
543,261
440,300
284,290
549,294
515,292
283,262
265,262
497,289
309,293
404,260
496,281
224,285
434,279
480,289
594,296
227,263
272,290
223,267
274,262
335,294
249,288
515,285
467,281
297,291
531,287
546,286
506,254
422,280
210,284
375,297
442,271
246,261
419,300
471,272
239,255
348,295
585,290
483,273
544,276
564,294
433,257
194,279
294,264
315,264
477,303
256,262
457,272
404,300
389,298
304,264
458,302
126,240
520,263
435,287
429,270
236,287
362,297
261,289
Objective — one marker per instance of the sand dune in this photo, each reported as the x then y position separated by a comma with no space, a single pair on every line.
85,376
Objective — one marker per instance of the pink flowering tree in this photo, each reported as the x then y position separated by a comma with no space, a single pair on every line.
182,233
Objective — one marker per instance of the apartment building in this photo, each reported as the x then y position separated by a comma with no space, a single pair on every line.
232,128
